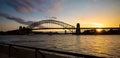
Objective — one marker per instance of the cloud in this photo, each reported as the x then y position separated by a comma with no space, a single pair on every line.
56,7
19,20
95,0
52,17
45,6
28,6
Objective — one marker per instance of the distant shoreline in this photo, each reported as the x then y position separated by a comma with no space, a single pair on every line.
57,34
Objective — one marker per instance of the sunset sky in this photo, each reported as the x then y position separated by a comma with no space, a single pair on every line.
89,13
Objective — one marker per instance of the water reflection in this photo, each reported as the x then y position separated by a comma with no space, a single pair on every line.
99,45
95,45
78,44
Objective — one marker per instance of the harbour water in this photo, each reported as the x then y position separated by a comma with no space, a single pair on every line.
98,45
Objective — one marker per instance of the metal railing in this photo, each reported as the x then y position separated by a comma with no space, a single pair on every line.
37,50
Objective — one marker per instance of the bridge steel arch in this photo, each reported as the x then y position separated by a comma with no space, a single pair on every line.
64,25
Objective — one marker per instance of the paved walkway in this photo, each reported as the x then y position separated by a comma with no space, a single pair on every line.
4,56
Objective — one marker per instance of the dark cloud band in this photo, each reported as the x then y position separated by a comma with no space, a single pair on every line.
45,6
19,20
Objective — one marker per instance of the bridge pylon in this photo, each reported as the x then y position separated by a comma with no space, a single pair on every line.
78,31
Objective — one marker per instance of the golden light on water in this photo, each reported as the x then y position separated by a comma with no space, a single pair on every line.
101,46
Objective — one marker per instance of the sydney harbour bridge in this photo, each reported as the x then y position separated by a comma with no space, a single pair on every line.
62,24
74,29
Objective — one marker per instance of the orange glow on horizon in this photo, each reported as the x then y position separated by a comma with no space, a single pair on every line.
98,25
99,30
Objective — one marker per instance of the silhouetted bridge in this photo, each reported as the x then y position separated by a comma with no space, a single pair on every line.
64,25
80,28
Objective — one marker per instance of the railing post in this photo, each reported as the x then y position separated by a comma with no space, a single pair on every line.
9,51
43,56
36,50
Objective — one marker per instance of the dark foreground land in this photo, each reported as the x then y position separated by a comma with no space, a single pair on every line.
17,52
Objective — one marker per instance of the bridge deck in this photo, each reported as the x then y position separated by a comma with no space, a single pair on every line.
81,28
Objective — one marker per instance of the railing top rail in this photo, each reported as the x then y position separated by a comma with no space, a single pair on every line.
54,51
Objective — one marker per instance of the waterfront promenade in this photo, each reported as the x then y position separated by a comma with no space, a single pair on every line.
19,51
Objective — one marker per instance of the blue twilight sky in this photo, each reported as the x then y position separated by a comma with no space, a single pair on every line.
90,13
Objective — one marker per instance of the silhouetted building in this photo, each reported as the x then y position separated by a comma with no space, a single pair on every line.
24,30
78,29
